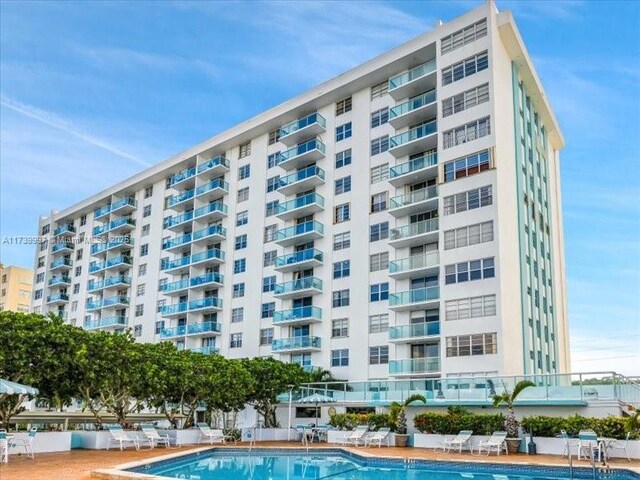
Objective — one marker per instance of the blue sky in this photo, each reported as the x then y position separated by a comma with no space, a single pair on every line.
92,93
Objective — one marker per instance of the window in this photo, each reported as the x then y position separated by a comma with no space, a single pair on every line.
244,171
273,160
379,323
469,235
466,133
83,218
343,158
78,271
469,200
243,194
148,191
378,261
139,310
342,213
271,208
340,298
343,185
40,278
274,136
379,145
240,265
341,241
144,249
237,315
238,290
242,218
146,211
140,289
245,150
241,241
465,100
341,269
270,233
269,258
269,283
273,183
465,68
379,90
473,307
379,292
340,328
235,340
146,229
343,106
340,358
379,173
378,355
266,336
464,36
467,345
379,202
469,271
46,229
41,262
343,131
142,270
37,294
159,326
268,310
380,117
137,330
76,288
466,166
378,231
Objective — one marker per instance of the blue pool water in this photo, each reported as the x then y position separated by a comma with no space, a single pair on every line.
263,464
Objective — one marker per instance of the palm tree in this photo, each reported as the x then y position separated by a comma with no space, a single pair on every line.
509,398
397,413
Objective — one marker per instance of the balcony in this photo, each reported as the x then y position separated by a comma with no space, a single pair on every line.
208,350
214,255
300,260
117,301
419,139
414,366
181,176
178,221
204,328
298,316
302,287
418,233
180,200
127,204
202,305
414,299
58,298
61,263
414,110
62,280
121,224
414,171
216,166
418,79
301,181
117,281
292,344
63,247
213,212
414,202
64,229
414,333
116,322
300,206
172,332
182,264
423,265
302,154
213,279
306,127
117,262
122,243
212,233
301,233
213,190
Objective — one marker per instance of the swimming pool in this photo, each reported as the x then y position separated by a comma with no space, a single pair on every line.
336,464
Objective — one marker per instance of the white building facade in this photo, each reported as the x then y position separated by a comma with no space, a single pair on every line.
402,220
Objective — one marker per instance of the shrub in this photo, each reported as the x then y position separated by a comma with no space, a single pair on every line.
349,421
457,419
542,426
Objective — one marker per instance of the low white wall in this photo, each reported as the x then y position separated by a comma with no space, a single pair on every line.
190,436
272,434
44,442
92,440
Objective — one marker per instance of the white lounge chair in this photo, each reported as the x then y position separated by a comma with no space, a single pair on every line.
377,437
4,448
153,437
568,443
496,442
457,442
26,443
118,436
620,445
587,443
357,436
209,434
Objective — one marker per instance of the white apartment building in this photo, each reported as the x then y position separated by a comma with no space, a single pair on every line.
402,220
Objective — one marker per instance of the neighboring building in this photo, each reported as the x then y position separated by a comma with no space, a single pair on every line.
16,285
402,220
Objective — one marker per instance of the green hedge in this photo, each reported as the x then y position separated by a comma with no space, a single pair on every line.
348,421
541,426
457,419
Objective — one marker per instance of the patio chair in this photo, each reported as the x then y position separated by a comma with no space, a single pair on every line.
496,442
118,436
378,437
357,436
207,433
153,437
4,448
26,443
461,440
568,443
620,445
587,443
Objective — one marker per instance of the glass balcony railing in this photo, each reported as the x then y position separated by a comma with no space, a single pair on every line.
204,327
119,260
61,262
413,134
62,246
300,175
416,196
213,277
192,305
414,365
298,257
97,248
414,262
62,229
105,322
214,253
181,197
413,74
212,185
208,350
62,279
107,227
109,282
299,313
198,234
58,297
428,160
413,104
418,295
178,219
125,202
303,123
212,207
178,262
413,229
415,330
300,202
296,285
302,228
302,148
295,343
220,160
183,175
108,302
178,331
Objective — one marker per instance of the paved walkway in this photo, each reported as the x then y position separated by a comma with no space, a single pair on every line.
78,464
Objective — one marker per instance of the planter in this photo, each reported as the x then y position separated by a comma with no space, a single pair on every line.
401,439
513,445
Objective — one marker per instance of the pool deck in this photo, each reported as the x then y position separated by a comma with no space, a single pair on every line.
78,464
